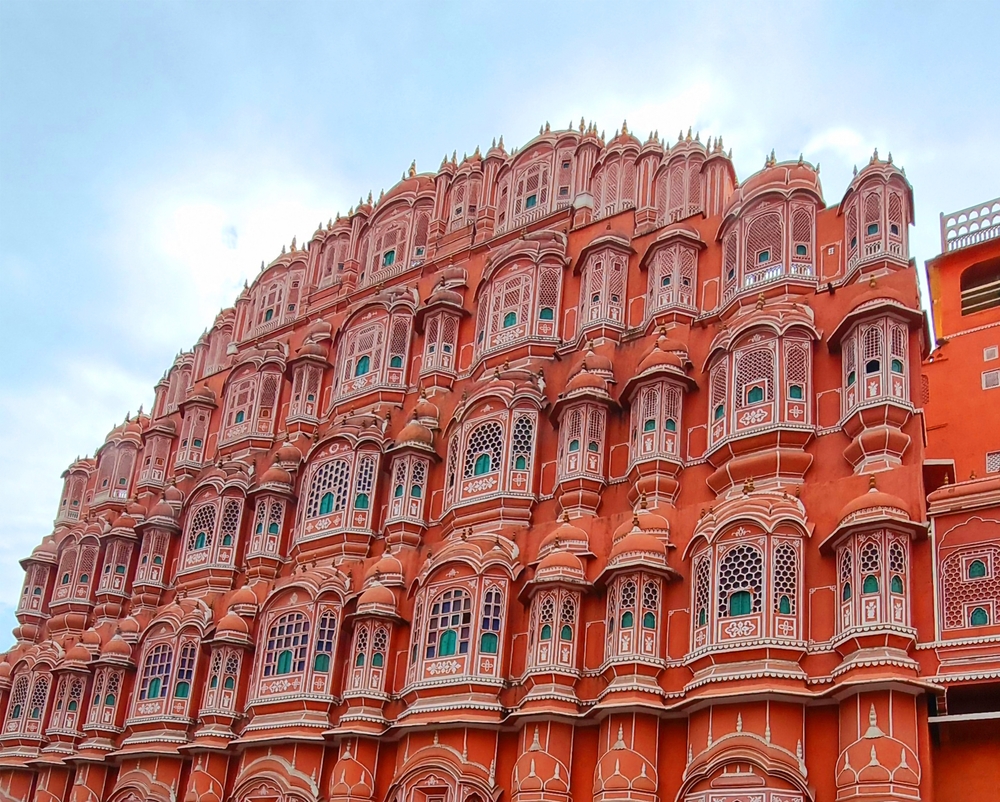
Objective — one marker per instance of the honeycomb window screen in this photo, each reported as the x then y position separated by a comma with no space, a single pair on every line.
741,569
523,442
567,618
329,489
993,462
483,450
202,529
786,577
754,368
702,590
230,525
962,592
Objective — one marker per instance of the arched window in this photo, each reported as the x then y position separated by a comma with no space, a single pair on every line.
325,642
871,567
482,453
980,286
156,672
740,581
329,489
650,604
287,644
185,671
627,604
546,619
979,617
702,590
567,618
786,573
450,624
379,646
363,365
977,569
489,640
202,528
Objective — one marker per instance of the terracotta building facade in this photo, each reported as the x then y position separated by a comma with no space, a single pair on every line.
583,472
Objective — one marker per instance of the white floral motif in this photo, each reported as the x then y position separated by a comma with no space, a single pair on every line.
741,629
449,667
478,485
753,416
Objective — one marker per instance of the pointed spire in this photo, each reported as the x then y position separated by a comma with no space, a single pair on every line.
369,197
581,124
547,129
500,143
624,127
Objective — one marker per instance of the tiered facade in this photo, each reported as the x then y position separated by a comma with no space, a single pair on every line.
582,472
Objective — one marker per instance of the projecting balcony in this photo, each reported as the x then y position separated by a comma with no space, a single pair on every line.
756,280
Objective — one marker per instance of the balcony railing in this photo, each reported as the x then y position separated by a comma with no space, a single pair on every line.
970,226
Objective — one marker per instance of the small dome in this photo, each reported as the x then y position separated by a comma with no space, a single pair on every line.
45,551
276,475
637,542
124,522
377,595
645,520
129,626
312,349
667,352
162,510
288,454
566,535
445,295
417,433
173,494
135,510
91,637
595,362
875,500
78,654
560,561
387,566
585,380
243,596
425,408
116,647
202,393
232,624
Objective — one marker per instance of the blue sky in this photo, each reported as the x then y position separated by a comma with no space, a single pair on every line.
152,154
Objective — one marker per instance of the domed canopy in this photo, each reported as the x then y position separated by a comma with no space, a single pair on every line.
875,502
565,537
232,624
116,648
77,655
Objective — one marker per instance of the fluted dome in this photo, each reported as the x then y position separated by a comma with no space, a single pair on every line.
874,501
585,380
202,393
637,542
116,647
645,520
566,536
375,597
77,654
415,433
276,475
232,624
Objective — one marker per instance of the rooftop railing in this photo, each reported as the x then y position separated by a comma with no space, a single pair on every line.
970,226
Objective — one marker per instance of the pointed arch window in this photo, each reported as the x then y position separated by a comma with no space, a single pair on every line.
489,639
450,624
156,672
287,645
